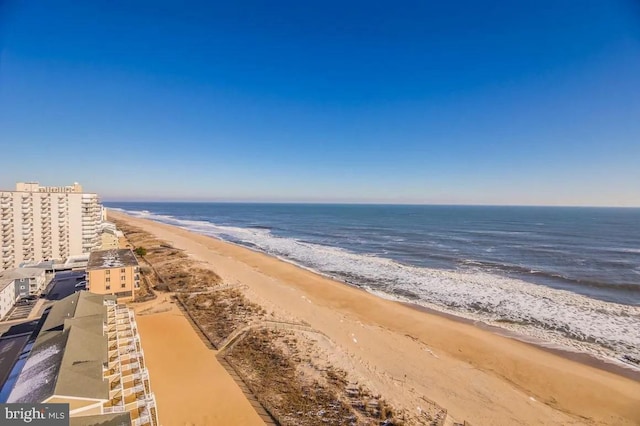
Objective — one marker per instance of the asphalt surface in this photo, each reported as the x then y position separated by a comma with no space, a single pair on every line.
20,310
63,284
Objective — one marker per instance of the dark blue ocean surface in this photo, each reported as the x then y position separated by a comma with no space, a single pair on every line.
569,275
592,251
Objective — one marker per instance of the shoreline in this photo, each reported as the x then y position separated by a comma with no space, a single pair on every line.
611,365
585,358
525,381
580,357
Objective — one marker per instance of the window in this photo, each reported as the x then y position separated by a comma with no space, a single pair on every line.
123,285
123,278
123,270
107,279
107,272
108,287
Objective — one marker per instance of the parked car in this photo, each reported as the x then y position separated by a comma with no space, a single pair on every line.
82,284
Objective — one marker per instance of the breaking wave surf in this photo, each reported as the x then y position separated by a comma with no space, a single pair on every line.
558,318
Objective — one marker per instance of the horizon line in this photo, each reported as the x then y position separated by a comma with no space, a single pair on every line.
370,203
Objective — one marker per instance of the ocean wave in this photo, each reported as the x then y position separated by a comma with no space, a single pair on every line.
527,270
604,329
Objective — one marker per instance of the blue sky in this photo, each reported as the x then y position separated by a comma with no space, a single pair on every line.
527,102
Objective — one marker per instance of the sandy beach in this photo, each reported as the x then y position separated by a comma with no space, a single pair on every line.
407,355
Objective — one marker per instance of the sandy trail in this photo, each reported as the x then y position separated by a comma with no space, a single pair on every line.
190,385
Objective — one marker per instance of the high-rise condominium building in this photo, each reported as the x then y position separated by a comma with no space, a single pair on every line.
47,222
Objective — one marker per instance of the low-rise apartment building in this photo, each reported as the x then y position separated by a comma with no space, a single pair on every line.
88,354
27,281
7,296
113,272
110,236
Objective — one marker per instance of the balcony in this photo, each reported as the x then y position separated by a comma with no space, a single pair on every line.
115,384
112,373
113,409
133,387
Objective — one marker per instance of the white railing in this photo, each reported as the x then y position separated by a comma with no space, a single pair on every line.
135,366
142,420
135,389
116,409
151,399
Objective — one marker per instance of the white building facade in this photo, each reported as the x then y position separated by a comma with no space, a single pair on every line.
7,296
43,222
28,281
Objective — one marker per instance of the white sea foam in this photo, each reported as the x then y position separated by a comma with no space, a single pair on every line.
564,319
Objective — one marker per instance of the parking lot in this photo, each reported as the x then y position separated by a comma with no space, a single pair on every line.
63,284
21,310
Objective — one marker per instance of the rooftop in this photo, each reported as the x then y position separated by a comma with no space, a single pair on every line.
10,275
20,273
68,354
45,264
116,258
117,419
35,187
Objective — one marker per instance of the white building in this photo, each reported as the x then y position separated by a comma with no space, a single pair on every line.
110,236
44,222
7,296
28,281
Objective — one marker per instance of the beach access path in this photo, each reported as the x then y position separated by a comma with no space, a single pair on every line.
407,354
191,386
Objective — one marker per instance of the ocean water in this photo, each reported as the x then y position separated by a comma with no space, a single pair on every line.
565,277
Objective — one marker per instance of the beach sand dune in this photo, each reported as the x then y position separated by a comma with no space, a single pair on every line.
408,355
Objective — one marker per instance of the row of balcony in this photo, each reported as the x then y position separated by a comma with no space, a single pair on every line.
128,377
